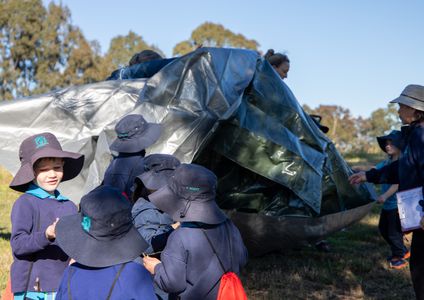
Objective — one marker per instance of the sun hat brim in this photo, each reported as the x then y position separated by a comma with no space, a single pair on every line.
414,103
155,180
139,142
74,163
87,250
394,137
382,142
205,210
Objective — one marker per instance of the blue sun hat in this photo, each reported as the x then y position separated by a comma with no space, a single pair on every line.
158,169
135,134
395,136
189,196
102,234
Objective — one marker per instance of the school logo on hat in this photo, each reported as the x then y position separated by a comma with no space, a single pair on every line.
189,196
102,234
40,141
39,146
135,134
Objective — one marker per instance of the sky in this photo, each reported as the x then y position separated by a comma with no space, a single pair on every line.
359,54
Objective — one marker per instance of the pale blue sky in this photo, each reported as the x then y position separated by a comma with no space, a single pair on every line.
355,53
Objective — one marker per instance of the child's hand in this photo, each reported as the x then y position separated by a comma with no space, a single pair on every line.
381,199
150,263
51,231
176,225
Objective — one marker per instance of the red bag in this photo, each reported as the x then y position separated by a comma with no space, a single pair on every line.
7,292
231,288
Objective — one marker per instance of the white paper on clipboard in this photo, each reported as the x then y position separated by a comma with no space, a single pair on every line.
410,212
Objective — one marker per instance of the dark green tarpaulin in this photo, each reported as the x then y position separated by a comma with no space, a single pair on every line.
229,110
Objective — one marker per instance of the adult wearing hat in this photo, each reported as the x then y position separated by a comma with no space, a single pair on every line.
103,242
206,245
134,135
408,171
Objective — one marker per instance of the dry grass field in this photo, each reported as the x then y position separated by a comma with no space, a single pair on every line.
355,268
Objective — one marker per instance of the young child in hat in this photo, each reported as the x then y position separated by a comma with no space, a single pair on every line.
38,262
389,224
134,135
154,225
206,245
103,242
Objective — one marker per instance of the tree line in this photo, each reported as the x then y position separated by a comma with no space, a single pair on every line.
41,50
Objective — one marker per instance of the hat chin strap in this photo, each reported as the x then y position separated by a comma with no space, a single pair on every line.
186,207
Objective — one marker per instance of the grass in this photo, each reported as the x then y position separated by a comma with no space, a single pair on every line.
354,269
7,196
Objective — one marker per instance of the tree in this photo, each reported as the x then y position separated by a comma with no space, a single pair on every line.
379,123
84,63
342,125
19,39
214,35
41,50
122,48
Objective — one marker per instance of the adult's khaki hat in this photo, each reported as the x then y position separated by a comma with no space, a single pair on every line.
412,96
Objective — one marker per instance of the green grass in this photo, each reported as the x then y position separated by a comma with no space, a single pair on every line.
7,196
354,269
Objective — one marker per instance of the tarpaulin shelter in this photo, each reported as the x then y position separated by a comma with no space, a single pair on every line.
281,179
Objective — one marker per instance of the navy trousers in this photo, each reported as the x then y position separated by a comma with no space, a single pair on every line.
389,226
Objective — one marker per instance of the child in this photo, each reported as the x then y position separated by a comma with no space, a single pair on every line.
389,224
38,263
153,225
104,243
206,245
134,135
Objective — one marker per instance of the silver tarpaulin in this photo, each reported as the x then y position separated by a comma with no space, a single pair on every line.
280,178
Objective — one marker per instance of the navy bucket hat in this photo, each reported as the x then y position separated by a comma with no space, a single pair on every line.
395,136
158,169
189,196
102,234
135,134
40,146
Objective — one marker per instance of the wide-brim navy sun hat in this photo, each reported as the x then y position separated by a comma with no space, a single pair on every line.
102,234
153,180
158,169
39,146
135,134
181,210
87,250
189,196
395,136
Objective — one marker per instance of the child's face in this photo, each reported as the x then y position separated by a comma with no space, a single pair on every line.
391,149
48,173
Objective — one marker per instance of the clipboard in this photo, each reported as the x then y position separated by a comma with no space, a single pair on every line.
410,211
